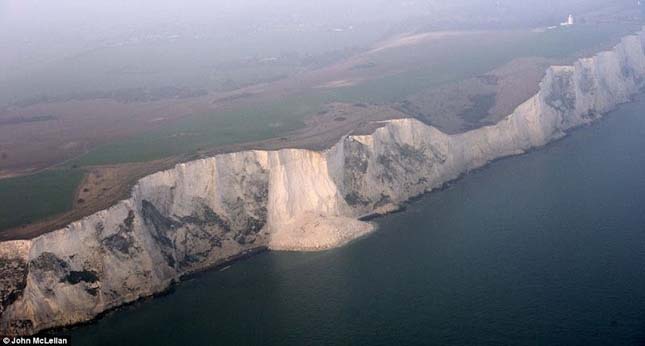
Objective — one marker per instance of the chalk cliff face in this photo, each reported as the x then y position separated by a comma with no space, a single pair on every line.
203,212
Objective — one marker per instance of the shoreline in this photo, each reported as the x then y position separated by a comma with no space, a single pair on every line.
247,254
300,199
231,260
228,262
218,266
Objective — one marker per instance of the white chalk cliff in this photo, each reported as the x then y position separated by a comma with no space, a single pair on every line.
203,212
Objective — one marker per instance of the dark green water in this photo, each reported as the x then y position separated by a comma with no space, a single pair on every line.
543,249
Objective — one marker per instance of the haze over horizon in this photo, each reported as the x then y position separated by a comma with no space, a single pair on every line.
37,34
333,169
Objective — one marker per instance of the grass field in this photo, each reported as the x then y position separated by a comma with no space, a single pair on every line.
26,199
449,61
30,198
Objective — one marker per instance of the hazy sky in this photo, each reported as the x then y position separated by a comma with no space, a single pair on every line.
38,31
39,35
69,17
26,25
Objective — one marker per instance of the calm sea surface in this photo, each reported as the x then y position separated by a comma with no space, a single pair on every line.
542,249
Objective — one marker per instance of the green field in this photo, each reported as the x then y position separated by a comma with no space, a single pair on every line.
31,198
50,192
447,62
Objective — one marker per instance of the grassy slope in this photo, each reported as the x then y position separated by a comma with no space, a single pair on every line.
33,197
26,199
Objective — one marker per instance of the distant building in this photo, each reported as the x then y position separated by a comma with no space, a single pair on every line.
568,22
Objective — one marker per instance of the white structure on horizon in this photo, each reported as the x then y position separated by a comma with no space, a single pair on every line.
568,22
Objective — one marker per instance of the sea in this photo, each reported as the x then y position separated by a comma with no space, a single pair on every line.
546,248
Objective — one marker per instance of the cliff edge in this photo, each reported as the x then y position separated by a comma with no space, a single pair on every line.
203,212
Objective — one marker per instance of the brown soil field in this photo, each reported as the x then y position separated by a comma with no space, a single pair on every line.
481,100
